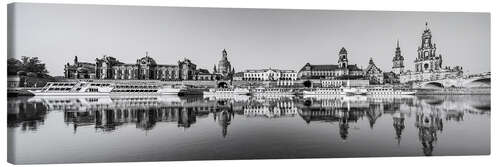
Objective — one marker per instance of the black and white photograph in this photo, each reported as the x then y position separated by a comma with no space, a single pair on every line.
109,83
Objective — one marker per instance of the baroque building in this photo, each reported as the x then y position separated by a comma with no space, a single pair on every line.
428,65
342,70
224,68
145,68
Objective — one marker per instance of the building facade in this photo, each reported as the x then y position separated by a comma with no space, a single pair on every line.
428,65
373,73
269,75
145,68
342,70
79,70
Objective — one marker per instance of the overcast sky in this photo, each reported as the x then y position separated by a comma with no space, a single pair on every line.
254,38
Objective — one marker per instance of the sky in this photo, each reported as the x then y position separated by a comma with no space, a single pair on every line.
253,38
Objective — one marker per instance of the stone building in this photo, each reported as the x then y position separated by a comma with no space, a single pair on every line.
145,68
373,73
428,65
342,70
79,70
224,68
269,75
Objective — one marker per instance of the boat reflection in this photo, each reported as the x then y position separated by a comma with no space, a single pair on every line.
107,113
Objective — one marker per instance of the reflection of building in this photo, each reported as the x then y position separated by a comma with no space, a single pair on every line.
343,70
271,109
224,119
399,125
428,65
373,73
224,67
28,116
428,123
79,70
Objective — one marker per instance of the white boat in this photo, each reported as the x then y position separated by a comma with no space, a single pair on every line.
355,91
389,91
324,91
83,88
226,91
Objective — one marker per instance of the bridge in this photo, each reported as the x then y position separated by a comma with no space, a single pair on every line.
468,82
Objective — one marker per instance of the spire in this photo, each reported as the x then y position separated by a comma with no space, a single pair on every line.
398,44
146,53
224,53
371,61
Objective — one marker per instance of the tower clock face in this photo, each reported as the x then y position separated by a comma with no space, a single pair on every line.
426,66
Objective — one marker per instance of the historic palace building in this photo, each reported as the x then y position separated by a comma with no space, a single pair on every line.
428,65
342,70
145,68
224,68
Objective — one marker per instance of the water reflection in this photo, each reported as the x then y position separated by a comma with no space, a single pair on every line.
107,114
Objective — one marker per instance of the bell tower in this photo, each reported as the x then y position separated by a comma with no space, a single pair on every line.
343,62
398,61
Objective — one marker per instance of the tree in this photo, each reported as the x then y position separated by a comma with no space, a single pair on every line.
13,66
31,65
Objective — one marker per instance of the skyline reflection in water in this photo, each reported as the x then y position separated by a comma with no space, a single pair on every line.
148,128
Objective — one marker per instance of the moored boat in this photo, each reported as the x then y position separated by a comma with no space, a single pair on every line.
84,88
227,91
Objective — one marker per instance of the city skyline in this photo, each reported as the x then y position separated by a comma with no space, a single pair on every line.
254,38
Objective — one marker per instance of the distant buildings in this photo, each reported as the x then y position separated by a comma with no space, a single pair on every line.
342,70
145,68
428,65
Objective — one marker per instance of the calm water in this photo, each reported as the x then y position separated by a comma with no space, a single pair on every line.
142,128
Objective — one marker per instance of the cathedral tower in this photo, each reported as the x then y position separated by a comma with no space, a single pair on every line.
398,61
426,60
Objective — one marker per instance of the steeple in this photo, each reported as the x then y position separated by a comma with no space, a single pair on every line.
343,62
371,61
224,54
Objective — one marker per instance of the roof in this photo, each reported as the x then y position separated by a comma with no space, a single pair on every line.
329,67
264,70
